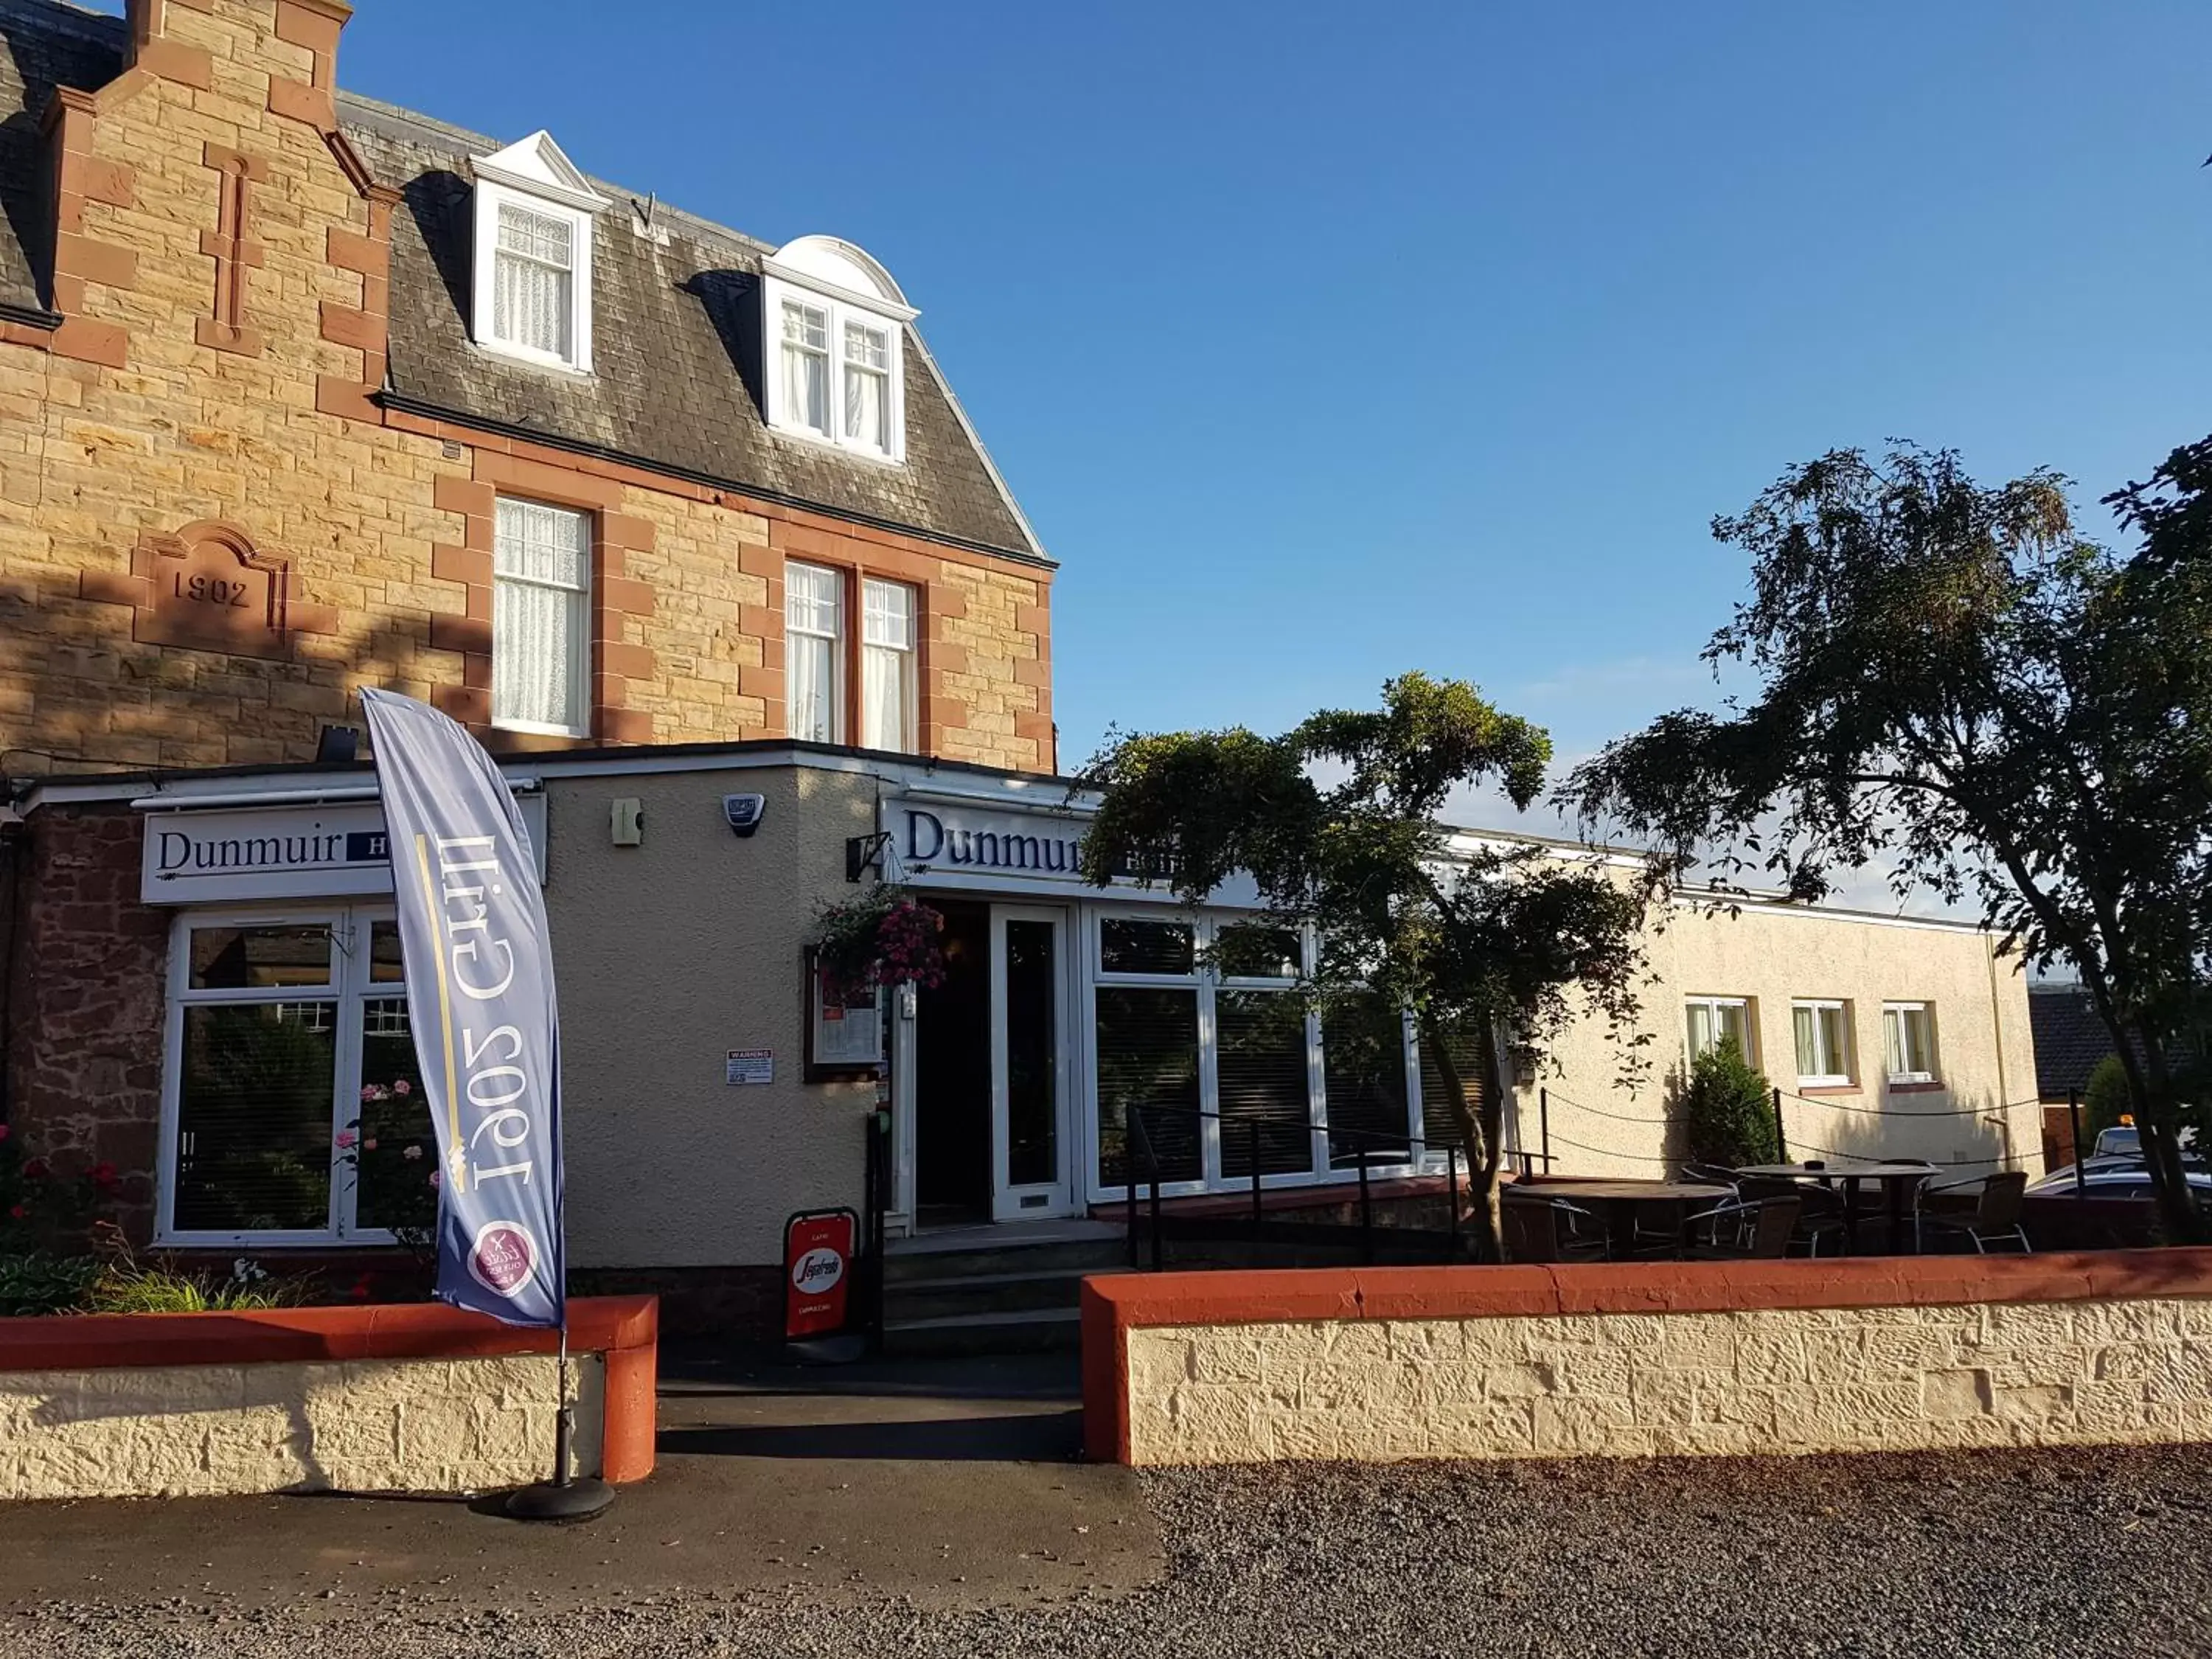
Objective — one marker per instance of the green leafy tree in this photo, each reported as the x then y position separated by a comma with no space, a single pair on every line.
1954,681
2105,1102
1467,942
1727,1110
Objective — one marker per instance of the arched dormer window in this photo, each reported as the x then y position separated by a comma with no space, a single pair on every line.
531,283
834,323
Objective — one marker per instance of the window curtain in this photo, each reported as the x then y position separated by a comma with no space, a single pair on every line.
1808,1044
1701,1028
536,643
1364,1072
806,367
530,278
867,401
886,666
540,562
813,634
1146,1045
1264,1089
812,688
884,723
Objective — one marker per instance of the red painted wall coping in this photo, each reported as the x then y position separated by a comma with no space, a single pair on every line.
626,1329
1115,1304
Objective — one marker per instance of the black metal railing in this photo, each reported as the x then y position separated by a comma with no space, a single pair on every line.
875,1207
1144,1172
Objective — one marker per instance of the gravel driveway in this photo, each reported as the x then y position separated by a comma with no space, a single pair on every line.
2018,1555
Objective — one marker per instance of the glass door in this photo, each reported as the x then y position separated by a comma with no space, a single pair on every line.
1029,1069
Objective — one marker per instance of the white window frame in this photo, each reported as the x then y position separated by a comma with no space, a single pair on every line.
489,196
1933,1063
904,740
349,989
1714,1005
1838,1078
1207,981
579,671
775,291
840,649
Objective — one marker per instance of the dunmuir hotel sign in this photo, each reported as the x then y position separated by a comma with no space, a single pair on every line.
1000,843
327,850
944,844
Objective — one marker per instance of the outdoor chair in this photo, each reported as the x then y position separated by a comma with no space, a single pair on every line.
1758,1231
1995,1218
1549,1230
1819,1209
1712,1173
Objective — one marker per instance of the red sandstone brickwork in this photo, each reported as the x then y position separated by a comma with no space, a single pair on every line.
86,1001
222,268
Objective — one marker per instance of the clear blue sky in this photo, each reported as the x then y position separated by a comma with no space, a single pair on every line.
1324,341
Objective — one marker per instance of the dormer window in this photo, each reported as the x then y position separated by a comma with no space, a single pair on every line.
532,294
836,324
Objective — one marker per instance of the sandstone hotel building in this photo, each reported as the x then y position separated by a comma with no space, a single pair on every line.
300,392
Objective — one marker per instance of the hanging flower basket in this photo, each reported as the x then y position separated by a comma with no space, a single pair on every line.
885,937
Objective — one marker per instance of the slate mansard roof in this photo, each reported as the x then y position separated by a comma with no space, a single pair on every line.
677,348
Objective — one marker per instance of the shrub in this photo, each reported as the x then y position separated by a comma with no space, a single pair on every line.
1728,1110
38,1282
2105,1101
41,1208
122,1283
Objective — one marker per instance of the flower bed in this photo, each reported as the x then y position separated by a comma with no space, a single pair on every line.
382,1397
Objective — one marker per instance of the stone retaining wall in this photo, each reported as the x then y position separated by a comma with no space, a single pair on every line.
379,1398
1665,1359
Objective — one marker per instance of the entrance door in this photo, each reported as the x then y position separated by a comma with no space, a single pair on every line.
1031,1159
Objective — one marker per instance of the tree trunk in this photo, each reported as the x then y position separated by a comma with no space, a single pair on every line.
2159,1124
1481,1130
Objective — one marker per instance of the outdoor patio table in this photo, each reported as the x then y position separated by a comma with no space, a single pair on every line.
1618,1200
1896,1179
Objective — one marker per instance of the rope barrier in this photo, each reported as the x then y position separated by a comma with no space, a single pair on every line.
1559,1140
2004,1160
1884,1111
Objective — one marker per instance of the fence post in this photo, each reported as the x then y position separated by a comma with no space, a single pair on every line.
1451,1197
1258,1214
2074,1126
1781,1139
1129,1159
1366,1214
1152,1168
1544,1122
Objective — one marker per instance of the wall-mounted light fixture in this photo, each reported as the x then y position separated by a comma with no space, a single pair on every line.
866,852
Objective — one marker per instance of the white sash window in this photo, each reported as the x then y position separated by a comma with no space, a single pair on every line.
814,653
540,620
887,671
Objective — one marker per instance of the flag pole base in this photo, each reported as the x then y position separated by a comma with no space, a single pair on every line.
565,1497
560,1500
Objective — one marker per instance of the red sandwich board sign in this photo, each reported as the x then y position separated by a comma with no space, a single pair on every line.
818,1246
